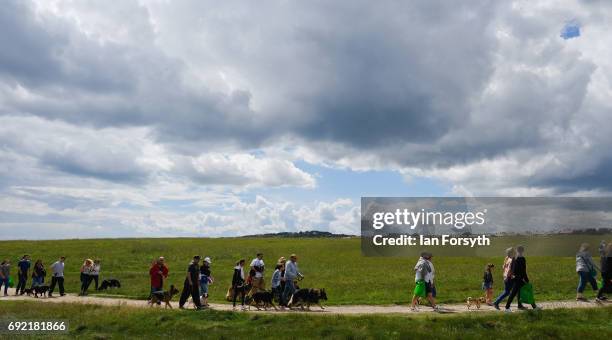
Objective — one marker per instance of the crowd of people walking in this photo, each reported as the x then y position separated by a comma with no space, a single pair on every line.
515,278
247,281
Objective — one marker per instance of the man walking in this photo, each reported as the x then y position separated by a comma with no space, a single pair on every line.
257,266
292,273
57,276
23,266
191,286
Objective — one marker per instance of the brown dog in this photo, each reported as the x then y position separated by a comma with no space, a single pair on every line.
471,302
166,297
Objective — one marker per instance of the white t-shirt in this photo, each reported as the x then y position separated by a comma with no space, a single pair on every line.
257,263
95,270
58,269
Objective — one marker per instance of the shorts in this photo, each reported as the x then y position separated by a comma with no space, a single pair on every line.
204,288
487,285
429,288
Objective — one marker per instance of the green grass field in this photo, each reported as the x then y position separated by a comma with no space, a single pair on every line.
97,322
334,264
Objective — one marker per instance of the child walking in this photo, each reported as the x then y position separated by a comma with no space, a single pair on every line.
487,283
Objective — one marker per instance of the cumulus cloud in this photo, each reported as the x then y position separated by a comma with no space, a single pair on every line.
201,102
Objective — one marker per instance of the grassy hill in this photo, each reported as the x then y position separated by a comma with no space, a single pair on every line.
333,263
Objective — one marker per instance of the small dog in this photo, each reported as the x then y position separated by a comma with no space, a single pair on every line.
109,283
166,297
29,291
306,296
260,299
474,302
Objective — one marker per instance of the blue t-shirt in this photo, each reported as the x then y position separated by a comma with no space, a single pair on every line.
24,265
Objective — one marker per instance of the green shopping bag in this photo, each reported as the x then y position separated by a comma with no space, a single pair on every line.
526,294
11,283
419,289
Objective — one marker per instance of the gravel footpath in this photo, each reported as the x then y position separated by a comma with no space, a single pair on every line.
332,310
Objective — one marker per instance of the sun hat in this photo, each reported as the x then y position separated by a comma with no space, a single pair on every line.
207,260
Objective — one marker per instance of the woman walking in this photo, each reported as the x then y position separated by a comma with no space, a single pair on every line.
507,274
423,272
38,273
205,279
606,273
519,279
587,271
5,275
86,270
95,273
238,283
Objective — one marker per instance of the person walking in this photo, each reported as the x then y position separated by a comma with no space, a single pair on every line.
23,267
238,283
157,273
423,271
5,275
519,279
606,273
257,280
487,283
586,270
57,276
95,273
292,273
38,273
191,286
276,283
507,275
205,278
86,270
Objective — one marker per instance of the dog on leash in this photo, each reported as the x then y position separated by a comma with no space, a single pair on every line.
165,297
307,296
41,290
260,299
474,302
109,283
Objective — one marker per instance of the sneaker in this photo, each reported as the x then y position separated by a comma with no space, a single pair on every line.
62,294
436,308
496,306
582,299
508,310
598,300
522,308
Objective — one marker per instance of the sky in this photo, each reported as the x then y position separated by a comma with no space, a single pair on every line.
208,118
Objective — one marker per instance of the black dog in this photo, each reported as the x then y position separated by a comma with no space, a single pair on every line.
260,299
42,290
307,297
109,283
29,291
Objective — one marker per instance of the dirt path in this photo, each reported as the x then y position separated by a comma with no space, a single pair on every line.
331,310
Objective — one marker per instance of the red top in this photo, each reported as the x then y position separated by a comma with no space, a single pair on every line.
156,278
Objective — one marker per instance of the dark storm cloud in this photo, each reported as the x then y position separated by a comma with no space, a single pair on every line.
419,84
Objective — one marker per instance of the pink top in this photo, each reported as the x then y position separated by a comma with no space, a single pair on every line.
507,268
